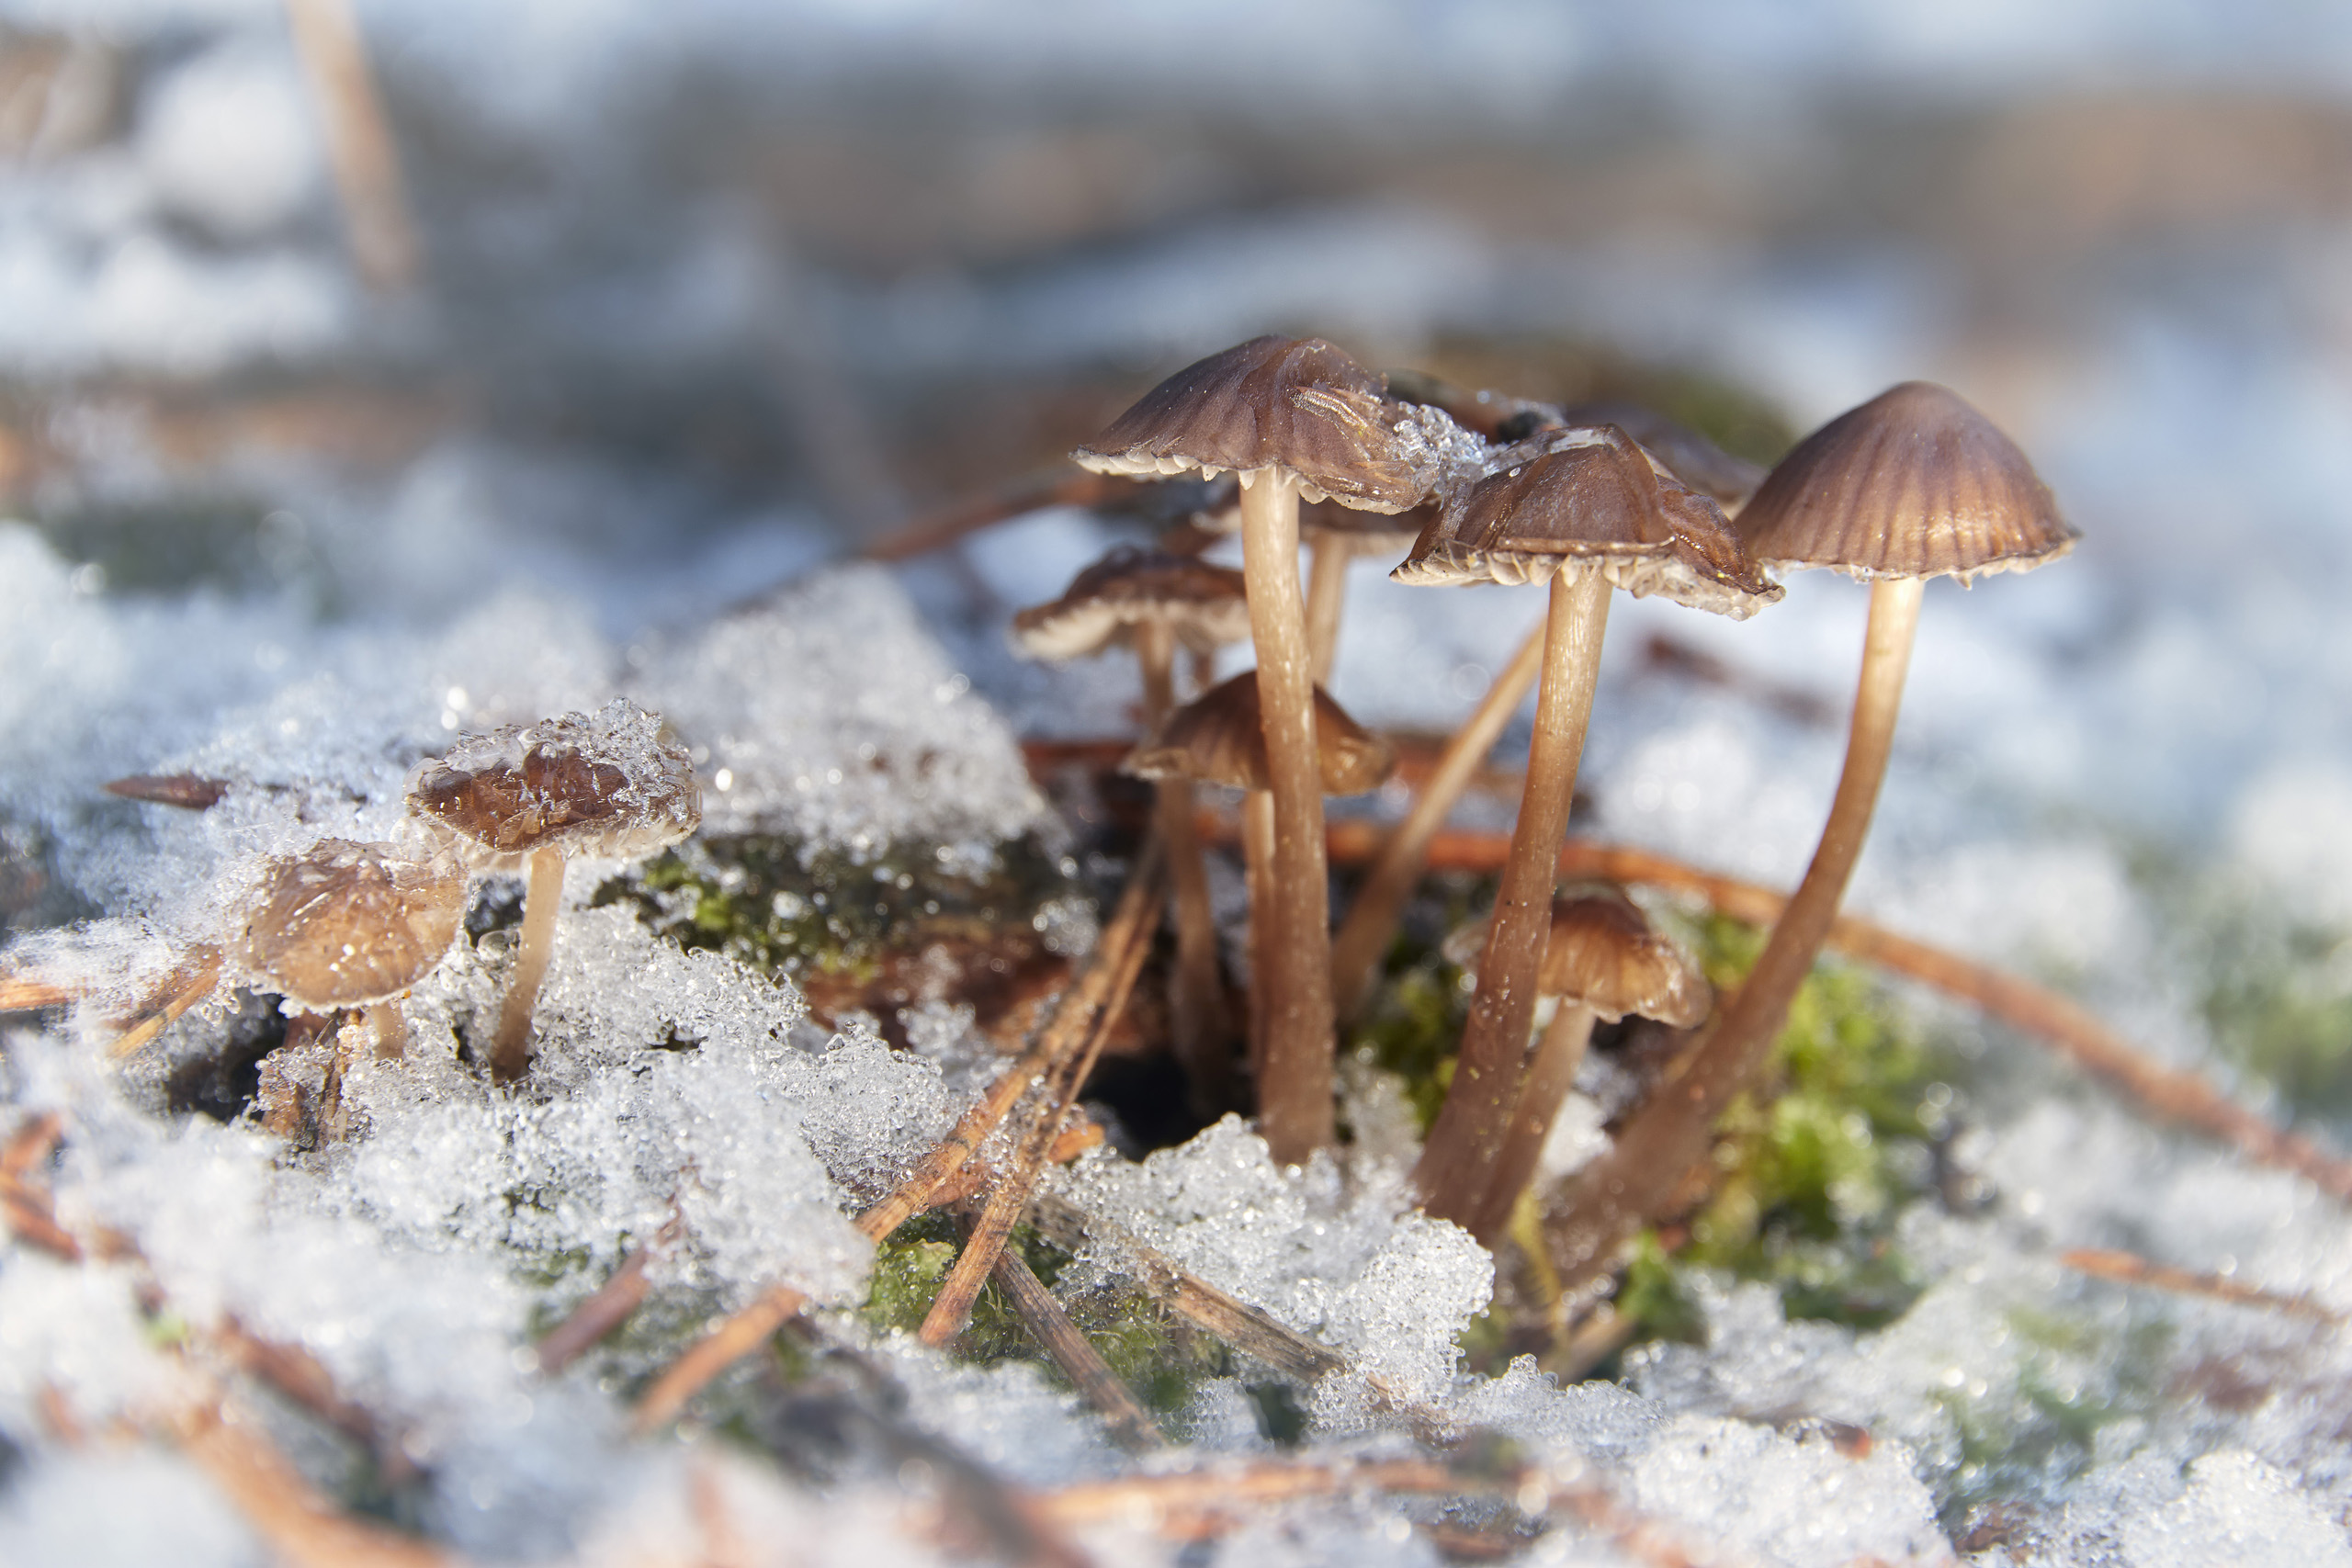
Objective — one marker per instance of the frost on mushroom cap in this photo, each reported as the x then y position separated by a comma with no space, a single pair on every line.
1602,951
1217,739
1913,483
614,786
1298,404
1205,606
347,925
1590,499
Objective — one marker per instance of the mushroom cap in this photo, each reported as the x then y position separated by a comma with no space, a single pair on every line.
348,924
1298,404
1217,737
1913,483
1590,499
1207,606
1689,456
614,785
1602,951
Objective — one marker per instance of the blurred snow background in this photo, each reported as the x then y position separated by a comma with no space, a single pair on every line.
714,295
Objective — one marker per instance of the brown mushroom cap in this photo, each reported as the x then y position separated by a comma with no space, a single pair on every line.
348,925
1205,606
1590,499
1689,456
1913,483
1217,739
1603,953
614,786
1298,404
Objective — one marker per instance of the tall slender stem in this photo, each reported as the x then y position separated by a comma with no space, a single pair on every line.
1551,1073
1196,1000
510,1049
1371,920
1458,1160
1326,594
1257,877
1294,1109
1623,1189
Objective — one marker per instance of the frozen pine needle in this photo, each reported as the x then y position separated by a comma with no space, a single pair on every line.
2130,1268
725,1345
1130,1424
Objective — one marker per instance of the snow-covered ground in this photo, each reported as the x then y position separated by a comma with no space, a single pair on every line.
2100,765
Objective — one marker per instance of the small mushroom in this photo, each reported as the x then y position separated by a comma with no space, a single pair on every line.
1217,739
1603,961
1293,419
614,786
1584,509
1912,484
1153,602
352,925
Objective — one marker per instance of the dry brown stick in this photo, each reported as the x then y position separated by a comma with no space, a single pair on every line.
2130,1268
24,1207
27,993
2170,1093
1125,943
301,1527
970,1181
734,1338
607,1308
301,1377
360,149
187,985
1131,1425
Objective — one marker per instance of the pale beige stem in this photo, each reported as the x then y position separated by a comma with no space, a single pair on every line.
1196,997
1458,1160
359,143
1623,1190
1295,1110
1371,922
1327,595
391,1030
1257,874
510,1048
1551,1073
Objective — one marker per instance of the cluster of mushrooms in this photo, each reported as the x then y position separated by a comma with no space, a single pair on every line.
1480,489
348,927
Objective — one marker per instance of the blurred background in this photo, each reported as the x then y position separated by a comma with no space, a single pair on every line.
369,308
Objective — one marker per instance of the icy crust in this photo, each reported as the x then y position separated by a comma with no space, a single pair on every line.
828,713
1339,1259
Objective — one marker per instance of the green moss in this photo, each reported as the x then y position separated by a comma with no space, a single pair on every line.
1652,1296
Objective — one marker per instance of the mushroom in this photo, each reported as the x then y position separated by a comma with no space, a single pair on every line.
1152,602
1911,485
1292,419
1603,961
615,786
351,925
1585,509
1219,738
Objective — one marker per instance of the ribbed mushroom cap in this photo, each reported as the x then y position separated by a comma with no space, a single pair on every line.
1603,953
1913,483
347,925
1590,499
1217,737
1298,404
614,786
1206,606
1689,456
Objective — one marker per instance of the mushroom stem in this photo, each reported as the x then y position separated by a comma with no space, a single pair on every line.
1370,922
1327,593
1295,1110
1196,1000
510,1048
1257,868
1459,1157
1551,1073
1623,1190
391,1030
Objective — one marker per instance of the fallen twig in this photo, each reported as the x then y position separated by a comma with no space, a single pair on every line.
300,1526
607,1308
2129,1269
1126,940
732,1339
187,985
1131,1425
